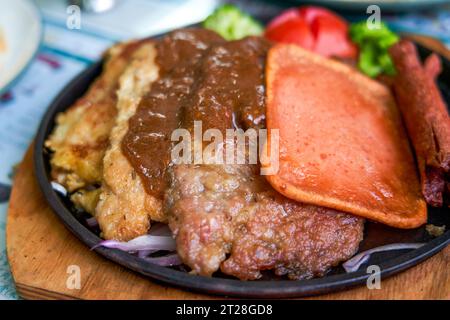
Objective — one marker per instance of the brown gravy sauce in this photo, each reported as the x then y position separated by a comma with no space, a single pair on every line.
202,77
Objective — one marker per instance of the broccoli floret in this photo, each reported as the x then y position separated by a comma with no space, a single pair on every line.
232,24
373,46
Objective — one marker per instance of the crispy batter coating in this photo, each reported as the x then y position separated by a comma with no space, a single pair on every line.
82,132
81,135
124,209
85,199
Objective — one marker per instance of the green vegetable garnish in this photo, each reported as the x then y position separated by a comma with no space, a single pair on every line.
373,46
232,24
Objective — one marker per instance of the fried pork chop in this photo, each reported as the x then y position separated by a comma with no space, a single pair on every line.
135,165
124,208
81,135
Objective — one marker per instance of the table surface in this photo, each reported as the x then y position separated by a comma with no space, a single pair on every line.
64,53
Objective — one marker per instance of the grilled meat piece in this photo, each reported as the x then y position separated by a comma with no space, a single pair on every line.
228,217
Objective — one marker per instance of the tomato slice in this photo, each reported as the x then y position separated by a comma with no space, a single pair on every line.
311,13
331,38
289,14
293,30
313,28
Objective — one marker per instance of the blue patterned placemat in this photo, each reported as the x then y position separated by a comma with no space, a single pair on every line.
22,107
7,289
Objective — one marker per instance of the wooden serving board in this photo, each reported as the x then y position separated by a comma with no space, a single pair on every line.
41,251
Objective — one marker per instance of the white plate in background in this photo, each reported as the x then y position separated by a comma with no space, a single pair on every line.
21,27
132,19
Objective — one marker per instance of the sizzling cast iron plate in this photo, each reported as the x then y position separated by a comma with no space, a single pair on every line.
270,287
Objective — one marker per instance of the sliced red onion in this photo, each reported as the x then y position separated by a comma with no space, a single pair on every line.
165,261
158,239
147,242
92,222
354,263
59,188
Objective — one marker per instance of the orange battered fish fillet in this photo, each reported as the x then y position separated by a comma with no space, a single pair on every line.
342,144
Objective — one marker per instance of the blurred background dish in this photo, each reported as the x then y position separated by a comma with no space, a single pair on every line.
120,20
387,5
94,5
20,29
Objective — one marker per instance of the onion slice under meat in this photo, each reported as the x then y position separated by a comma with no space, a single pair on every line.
59,188
146,242
354,263
158,239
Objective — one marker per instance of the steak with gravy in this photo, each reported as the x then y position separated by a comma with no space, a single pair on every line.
226,216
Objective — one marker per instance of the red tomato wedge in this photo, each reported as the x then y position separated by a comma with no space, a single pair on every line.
311,13
331,38
295,31
288,14
314,28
